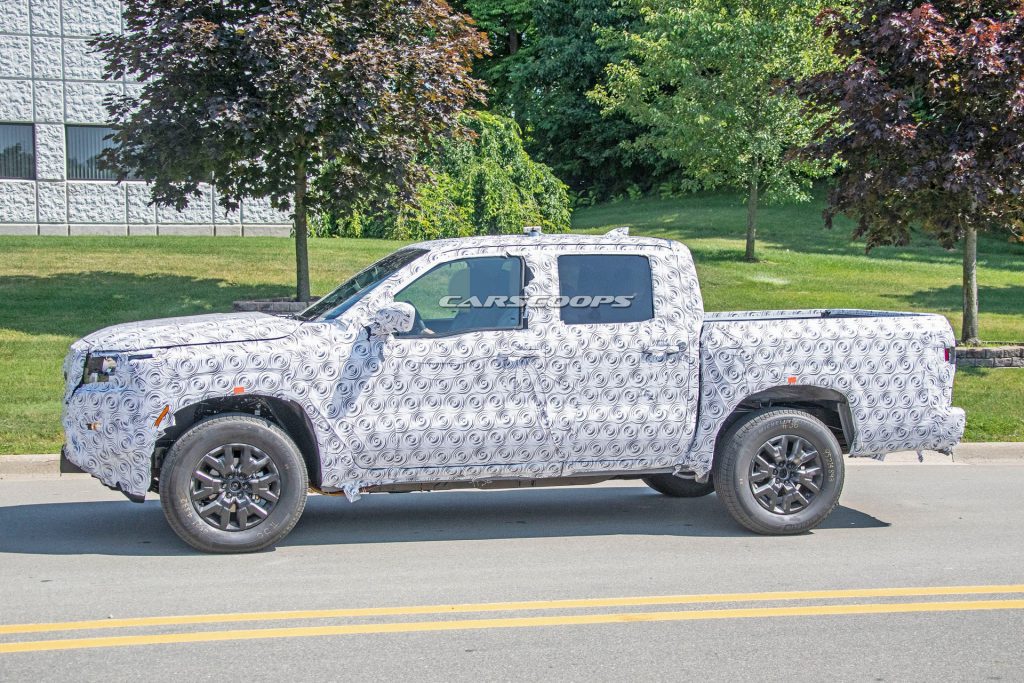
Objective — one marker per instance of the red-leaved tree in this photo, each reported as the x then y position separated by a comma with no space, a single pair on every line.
930,108
307,103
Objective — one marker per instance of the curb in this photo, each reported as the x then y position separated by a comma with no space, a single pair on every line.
1006,453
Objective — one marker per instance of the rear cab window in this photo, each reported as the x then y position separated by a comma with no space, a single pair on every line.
603,289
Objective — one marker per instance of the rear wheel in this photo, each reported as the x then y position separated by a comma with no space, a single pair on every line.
677,487
779,471
233,484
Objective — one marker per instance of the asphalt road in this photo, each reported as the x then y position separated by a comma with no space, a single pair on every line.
417,586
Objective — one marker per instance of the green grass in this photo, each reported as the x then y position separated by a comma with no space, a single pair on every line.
55,290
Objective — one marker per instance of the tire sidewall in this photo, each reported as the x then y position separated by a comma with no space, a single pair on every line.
748,440
206,436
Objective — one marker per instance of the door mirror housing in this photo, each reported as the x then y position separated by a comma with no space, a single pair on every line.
396,318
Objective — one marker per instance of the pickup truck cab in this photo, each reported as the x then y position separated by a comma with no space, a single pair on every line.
504,361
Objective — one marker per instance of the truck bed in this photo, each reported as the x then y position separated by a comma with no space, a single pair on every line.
891,370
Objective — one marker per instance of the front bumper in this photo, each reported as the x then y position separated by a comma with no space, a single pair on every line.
109,434
66,466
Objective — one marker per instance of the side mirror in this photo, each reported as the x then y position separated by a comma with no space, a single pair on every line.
396,318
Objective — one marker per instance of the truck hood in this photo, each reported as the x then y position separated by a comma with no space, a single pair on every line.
216,328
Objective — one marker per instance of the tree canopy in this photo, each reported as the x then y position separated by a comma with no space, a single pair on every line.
928,116
487,184
706,79
259,97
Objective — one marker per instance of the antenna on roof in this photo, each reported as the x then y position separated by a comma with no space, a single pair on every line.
619,232
531,230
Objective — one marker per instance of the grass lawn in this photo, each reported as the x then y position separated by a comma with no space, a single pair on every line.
57,289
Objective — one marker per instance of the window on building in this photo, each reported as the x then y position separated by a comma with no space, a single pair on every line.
17,151
85,144
467,295
600,289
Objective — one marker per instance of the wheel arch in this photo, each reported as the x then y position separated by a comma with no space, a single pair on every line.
288,415
828,405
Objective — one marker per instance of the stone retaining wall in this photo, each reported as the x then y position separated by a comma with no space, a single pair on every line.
990,357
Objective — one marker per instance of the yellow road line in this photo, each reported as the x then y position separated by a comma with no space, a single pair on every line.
583,603
515,622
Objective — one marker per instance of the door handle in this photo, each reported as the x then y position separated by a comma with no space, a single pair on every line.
664,348
520,352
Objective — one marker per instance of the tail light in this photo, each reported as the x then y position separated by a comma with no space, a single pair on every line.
950,354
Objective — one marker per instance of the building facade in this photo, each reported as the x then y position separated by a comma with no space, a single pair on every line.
52,127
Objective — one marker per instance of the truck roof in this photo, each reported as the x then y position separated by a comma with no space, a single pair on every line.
616,236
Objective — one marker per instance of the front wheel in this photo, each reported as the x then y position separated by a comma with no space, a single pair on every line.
233,484
779,471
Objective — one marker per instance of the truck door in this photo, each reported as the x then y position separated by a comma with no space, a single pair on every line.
458,396
619,363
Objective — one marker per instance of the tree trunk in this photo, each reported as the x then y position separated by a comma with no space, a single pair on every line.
301,231
751,254
970,330
513,39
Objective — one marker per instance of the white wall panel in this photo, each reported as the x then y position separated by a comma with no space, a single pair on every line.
87,17
46,58
84,101
45,17
17,201
198,211
51,164
15,100
49,101
15,56
52,201
138,211
14,16
96,202
82,62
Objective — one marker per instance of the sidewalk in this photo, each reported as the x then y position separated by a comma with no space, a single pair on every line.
1006,453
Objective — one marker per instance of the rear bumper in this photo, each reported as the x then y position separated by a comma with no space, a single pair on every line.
957,423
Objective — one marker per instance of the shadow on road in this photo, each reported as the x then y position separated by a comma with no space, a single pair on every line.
124,528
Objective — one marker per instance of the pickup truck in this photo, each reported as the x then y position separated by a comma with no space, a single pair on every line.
497,362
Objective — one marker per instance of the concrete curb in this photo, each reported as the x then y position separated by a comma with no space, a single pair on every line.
1006,453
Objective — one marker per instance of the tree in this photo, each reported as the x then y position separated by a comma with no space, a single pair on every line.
706,78
484,185
559,63
930,110
508,23
298,101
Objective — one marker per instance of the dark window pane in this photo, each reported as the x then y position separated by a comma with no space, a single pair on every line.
85,143
602,289
17,151
467,295
355,288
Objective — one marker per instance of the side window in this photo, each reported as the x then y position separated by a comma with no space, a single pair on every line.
17,151
601,289
467,295
84,145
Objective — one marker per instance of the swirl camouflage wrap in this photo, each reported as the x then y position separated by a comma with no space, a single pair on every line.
538,399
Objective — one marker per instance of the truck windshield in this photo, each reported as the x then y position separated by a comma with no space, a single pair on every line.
351,291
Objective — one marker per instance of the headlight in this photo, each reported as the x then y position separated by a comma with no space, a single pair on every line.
99,369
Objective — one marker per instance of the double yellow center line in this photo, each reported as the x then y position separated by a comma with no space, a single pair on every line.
511,622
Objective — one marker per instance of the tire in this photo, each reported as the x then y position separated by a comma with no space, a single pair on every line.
224,518
740,476
677,487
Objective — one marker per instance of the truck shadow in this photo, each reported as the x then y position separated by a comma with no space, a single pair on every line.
129,529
